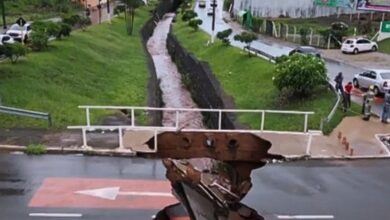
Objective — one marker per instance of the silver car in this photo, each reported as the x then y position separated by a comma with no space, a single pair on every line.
380,79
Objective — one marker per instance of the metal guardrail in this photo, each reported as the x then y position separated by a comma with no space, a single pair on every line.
176,127
26,113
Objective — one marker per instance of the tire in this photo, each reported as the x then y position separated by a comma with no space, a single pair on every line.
374,48
376,91
355,83
355,51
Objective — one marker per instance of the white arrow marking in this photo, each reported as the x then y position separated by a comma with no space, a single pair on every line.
305,217
111,193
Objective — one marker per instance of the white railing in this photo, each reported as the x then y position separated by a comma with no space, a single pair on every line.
178,111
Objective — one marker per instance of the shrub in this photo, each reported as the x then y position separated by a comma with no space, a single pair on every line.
65,30
224,36
72,20
246,37
53,29
39,40
188,15
13,51
84,22
304,32
300,74
194,23
256,24
35,149
119,9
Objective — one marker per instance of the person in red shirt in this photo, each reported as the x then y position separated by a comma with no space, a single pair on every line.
347,95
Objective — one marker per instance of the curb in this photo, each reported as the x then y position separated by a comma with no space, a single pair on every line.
117,153
62,150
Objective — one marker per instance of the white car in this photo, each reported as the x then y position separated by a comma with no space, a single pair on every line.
18,33
380,79
6,39
357,45
202,4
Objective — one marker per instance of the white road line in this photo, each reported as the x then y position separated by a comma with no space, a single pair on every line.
305,217
56,215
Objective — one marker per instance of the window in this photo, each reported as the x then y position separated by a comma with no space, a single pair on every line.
372,75
385,75
360,41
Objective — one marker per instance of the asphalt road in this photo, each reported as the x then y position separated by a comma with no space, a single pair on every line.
343,190
275,49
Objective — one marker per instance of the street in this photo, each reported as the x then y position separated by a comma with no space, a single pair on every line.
81,187
276,49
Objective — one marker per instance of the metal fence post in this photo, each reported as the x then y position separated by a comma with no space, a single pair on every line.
262,120
311,36
87,115
132,117
120,139
220,120
84,132
305,126
295,33
177,120
49,120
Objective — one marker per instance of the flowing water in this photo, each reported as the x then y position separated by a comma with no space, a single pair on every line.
174,93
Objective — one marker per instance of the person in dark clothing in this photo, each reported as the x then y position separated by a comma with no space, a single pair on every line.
386,108
339,83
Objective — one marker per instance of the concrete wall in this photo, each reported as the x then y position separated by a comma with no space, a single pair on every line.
291,8
200,80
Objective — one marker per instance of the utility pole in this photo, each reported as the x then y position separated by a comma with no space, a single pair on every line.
3,13
214,5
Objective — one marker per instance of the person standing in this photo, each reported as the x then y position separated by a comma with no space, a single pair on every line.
339,83
347,95
367,102
386,107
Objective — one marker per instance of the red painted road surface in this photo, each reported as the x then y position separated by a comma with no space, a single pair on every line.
60,193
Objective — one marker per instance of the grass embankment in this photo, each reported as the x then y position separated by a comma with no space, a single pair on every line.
249,82
101,66
384,46
39,9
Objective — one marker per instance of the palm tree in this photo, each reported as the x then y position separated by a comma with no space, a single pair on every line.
130,6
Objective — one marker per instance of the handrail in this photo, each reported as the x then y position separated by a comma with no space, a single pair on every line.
26,113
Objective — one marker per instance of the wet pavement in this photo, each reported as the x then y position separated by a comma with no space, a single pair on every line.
175,95
276,47
356,190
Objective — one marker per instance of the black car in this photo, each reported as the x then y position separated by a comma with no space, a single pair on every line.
306,50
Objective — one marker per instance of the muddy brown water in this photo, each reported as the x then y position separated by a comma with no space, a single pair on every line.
174,93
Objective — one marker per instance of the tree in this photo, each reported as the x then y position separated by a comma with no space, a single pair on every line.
131,5
224,36
13,51
194,23
247,38
300,74
188,15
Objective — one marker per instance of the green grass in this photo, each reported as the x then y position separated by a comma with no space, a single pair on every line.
32,10
249,82
384,46
101,66
35,149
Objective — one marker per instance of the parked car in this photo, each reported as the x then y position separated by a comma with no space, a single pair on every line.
306,50
18,33
357,45
6,39
202,4
210,11
380,79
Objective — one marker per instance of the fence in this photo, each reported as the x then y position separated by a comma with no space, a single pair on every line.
176,127
292,33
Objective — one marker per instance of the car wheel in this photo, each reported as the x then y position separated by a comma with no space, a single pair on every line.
376,91
355,51
374,48
355,83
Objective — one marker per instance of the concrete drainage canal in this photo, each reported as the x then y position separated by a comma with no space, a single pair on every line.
174,93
